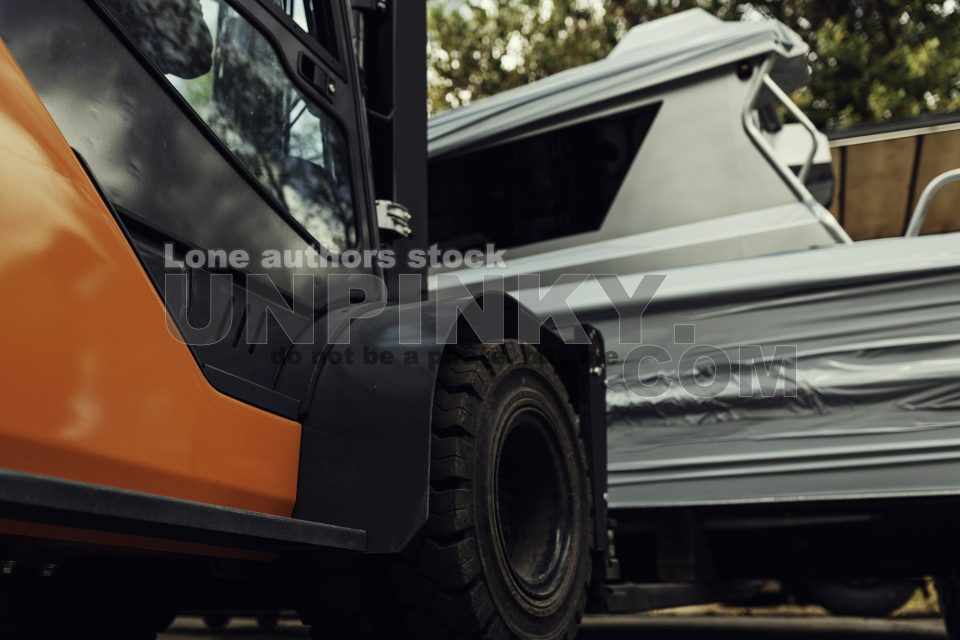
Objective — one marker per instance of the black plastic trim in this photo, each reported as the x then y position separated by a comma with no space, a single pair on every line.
104,508
334,60
253,393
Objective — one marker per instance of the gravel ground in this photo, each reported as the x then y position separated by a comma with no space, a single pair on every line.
760,628
918,619
728,624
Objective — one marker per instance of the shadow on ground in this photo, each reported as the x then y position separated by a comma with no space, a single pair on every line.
664,628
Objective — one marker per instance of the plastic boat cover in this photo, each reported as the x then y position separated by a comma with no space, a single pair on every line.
824,374
649,55
863,397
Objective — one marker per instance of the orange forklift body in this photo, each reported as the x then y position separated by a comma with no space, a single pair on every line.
107,393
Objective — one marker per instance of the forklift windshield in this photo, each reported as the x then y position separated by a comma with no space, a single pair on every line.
234,80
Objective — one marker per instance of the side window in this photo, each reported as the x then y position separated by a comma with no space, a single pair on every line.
177,188
315,17
234,80
541,187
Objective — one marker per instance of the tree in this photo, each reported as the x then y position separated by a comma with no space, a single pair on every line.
872,60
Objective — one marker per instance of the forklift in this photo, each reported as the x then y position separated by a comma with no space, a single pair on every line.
187,428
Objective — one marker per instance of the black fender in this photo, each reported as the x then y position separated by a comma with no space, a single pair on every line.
365,443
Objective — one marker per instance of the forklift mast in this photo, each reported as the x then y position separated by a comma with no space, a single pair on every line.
390,38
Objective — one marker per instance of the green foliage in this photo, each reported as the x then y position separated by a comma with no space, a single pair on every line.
872,60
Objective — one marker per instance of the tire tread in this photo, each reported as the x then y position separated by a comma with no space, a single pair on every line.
451,600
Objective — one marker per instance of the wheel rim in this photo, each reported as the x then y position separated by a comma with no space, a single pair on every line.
533,511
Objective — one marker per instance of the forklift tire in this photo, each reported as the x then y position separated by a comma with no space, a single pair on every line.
506,551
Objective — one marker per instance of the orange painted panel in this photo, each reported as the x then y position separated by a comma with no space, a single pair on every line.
95,387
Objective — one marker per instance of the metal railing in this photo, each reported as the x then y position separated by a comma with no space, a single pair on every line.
797,183
923,205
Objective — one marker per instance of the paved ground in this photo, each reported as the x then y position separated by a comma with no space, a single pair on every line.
665,628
